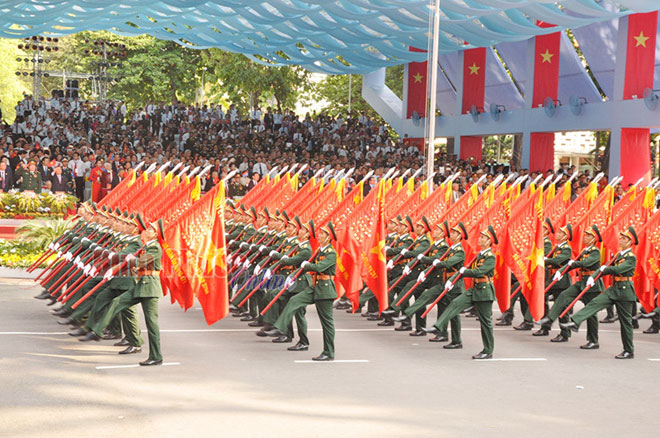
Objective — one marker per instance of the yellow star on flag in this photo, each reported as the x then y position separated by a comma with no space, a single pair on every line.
547,56
215,257
379,250
474,69
418,78
536,257
641,39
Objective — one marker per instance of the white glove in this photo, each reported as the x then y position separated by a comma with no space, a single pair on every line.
289,282
110,255
92,271
462,270
76,260
272,253
421,277
252,245
86,269
268,274
390,264
419,257
68,256
59,254
51,246
403,252
129,257
257,269
57,246
436,262
230,242
85,239
386,247
108,274
448,285
302,265
243,245
557,276
262,248
590,281
246,264
406,270
602,268
237,260
570,262
80,265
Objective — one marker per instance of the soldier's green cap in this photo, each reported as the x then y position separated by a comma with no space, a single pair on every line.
425,223
491,234
266,214
298,222
460,228
159,228
253,213
311,228
548,223
568,230
631,234
125,213
286,216
117,211
444,225
140,222
594,231
409,223
330,229
242,207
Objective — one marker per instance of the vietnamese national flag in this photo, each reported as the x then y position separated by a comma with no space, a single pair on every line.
417,83
374,268
546,66
522,250
215,301
640,54
474,78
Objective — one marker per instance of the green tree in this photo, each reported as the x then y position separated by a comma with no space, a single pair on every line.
13,87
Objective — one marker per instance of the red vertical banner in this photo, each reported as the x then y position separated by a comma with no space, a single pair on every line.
542,155
635,155
417,83
640,53
546,84
474,78
471,148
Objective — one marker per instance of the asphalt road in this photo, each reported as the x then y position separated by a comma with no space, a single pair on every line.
223,381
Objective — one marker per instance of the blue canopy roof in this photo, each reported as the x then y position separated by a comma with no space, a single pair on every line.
331,36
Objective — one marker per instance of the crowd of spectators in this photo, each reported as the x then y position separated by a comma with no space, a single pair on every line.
86,148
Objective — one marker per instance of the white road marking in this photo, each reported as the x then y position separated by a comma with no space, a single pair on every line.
110,367
515,359
33,333
333,361
654,360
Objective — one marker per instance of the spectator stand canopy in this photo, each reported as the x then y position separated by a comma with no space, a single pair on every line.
366,36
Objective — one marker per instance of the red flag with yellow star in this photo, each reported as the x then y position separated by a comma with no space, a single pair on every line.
474,78
522,250
417,87
374,267
647,274
215,299
640,54
546,66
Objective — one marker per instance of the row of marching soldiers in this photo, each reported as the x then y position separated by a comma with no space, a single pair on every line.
275,274
106,265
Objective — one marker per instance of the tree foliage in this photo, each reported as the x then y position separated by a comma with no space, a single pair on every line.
13,87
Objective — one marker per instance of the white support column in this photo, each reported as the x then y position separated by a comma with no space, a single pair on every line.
529,98
459,98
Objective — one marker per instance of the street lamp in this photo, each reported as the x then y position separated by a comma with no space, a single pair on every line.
202,93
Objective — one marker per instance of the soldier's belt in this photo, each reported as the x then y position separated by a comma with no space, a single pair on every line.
586,272
447,274
482,280
317,277
617,279
147,273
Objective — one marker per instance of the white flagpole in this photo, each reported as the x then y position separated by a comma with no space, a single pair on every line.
430,151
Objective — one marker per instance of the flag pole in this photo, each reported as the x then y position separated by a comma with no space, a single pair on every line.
430,147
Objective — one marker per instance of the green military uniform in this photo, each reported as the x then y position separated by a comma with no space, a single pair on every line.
481,295
587,262
31,180
147,291
296,253
444,270
621,294
319,290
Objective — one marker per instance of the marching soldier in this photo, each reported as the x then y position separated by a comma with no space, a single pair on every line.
587,262
481,295
621,293
447,260
320,290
